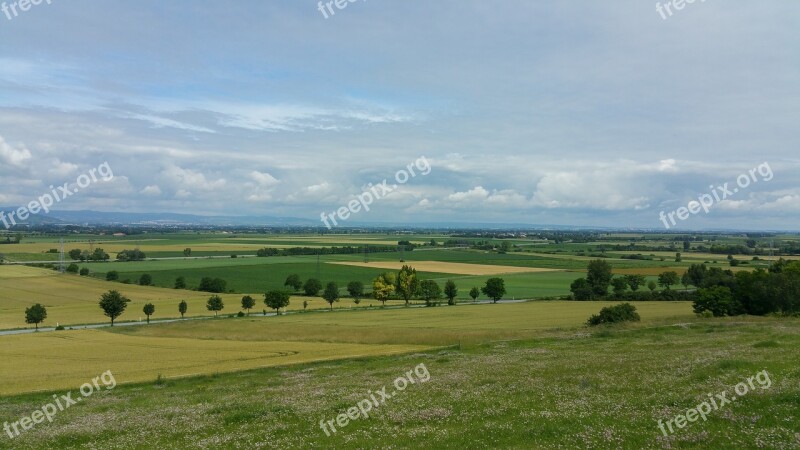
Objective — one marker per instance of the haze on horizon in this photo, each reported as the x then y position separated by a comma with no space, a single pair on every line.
579,113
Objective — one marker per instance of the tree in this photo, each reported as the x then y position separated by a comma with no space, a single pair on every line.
84,272
598,276
99,255
187,252
248,303
293,281
131,255
312,287
75,254
277,300
213,285
651,285
430,292
149,309
450,291
686,245
505,247
667,279
678,257
495,288
146,280
696,274
475,293
113,304
112,275
331,293
180,283
383,286
73,268
634,281
215,304
183,307
35,314
407,284
614,314
619,284
581,290
356,290
717,299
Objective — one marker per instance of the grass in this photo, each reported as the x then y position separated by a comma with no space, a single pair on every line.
563,390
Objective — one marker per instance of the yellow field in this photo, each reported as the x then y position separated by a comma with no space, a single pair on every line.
65,360
112,248
71,299
448,267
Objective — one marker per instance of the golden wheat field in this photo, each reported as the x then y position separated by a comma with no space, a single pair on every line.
63,359
72,299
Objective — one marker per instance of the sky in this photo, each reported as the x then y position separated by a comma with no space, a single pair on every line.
577,113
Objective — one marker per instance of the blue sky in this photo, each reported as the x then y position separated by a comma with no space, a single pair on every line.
577,113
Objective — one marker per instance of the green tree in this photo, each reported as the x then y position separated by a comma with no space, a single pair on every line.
505,247
293,281
651,285
180,283
356,290
146,280
598,275
635,281
331,293
475,293
183,307
75,254
678,257
149,309
112,275
277,300
213,285
113,304
624,312
84,272
450,291
248,303
581,290
495,288
619,285
430,292
187,252
383,286
667,279
407,284
215,304
73,268
35,314
312,287
697,274
717,299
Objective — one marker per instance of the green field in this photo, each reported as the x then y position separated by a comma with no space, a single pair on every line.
568,389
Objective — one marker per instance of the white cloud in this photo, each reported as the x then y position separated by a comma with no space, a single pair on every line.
152,190
13,156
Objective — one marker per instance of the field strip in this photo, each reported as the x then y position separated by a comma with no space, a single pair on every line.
448,267
65,360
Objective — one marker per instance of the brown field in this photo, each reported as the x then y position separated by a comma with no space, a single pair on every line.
449,267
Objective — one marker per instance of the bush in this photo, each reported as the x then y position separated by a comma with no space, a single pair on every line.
60,328
84,272
624,312
240,314
72,268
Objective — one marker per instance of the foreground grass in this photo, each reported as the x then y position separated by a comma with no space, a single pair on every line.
569,390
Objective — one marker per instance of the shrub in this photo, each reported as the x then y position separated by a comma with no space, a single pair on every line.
624,312
84,272
60,328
